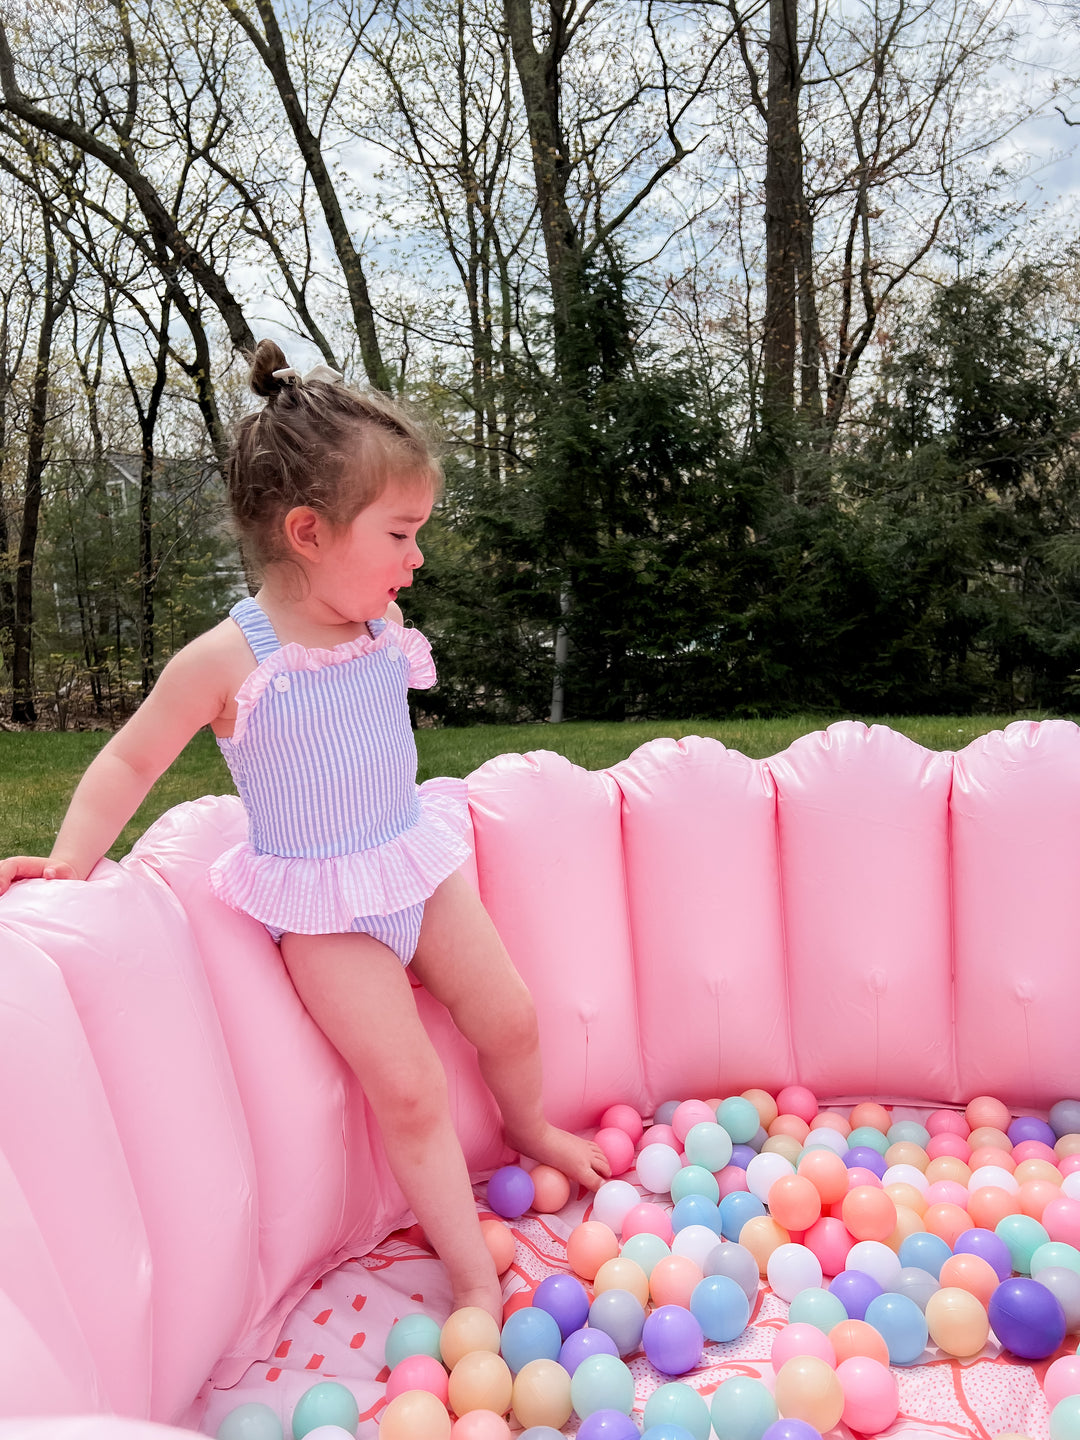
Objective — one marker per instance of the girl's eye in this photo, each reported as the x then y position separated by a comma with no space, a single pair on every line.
397,537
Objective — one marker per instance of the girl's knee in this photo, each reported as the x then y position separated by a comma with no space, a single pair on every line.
514,1030
411,1106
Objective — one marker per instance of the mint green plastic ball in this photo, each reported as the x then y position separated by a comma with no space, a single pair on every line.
817,1307
867,1135
1055,1252
601,1382
326,1403
1023,1235
678,1404
742,1409
739,1117
645,1249
695,1180
1065,1419
253,1421
413,1335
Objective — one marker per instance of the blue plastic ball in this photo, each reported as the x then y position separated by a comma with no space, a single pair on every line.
1065,1419
696,1210
901,1324
667,1432
680,1408
510,1191
672,1340
925,1251
565,1299
908,1132
1023,1235
720,1306
865,1137
253,1421
1027,1318
736,1209
326,1403
742,1408
529,1334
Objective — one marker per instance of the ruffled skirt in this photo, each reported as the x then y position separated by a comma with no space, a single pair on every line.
308,896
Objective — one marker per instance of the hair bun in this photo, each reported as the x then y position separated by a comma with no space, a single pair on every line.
265,359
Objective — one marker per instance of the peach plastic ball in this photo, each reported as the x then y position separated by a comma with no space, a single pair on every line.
418,1372
797,1100
791,1125
947,1167
622,1117
466,1330
868,1213
588,1246
794,1202
989,1204
831,1120
871,1114
764,1104
618,1148
827,1173
958,1324
808,1389
986,1110
552,1189
971,1273
990,1137
415,1415
909,1221
785,1145
620,1273
673,1280
903,1194
480,1381
947,1221
541,1395
480,1425
761,1235
499,1239
1035,1196
856,1337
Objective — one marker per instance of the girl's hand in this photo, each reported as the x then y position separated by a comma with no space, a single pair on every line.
33,867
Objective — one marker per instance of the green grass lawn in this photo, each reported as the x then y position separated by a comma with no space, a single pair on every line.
38,771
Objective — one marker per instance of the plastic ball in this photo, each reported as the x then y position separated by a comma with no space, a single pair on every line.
252,1421
742,1408
720,1306
971,1273
622,1274
825,1139
917,1284
1065,1419
988,1247
1062,1378
482,1381
621,1315
792,1268
606,1425
678,1405
1054,1252
541,1394
1065,1117
794,1202
816,1307
582,1343
795,1339
465,1330
807,1389
694,1180
657,1166
856,1337
989,1204
412,1335
871,1394
998,1176
695,1211
673,1280
738,1264
327,1403
901,1324
672,1340
788,1428
985,1110
330,1432
868,1213
613,1201
1027,1318
418,1372
736,1209
854,1289
761,1236
689,1114
648,1216
1061,1219
696,1243
831,1241
709,1145
957,1323
480,1425
1023,1235
623,1117
551,1189
415,1415
659,1135
645,1250
868,1135
874,1259
739,1117
601,1382
948,1144
566,1301
764,1104
947,1221
499,1240
928,1252
1064,1284
827,1173
510,1191
589,1246
665,1111
528,1334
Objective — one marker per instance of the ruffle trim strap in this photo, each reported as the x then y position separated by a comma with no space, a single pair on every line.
324,896
414,645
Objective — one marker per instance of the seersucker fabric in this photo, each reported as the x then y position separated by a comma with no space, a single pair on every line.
324,760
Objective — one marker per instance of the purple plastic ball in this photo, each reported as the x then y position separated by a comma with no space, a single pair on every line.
672,1340
510,1191
987,1246
566,1301
1029,1127
608,1425
583,1343
866,1158
741,1155
791,1430
854,1289
1027,1318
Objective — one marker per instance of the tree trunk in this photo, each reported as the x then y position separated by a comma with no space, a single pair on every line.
783,211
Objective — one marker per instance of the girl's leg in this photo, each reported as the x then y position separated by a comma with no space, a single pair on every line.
463,963
357,991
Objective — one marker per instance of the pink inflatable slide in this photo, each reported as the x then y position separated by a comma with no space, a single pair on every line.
183,1158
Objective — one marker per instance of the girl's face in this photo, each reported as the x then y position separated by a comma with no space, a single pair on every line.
369,560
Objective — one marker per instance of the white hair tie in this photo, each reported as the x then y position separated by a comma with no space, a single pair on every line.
319,372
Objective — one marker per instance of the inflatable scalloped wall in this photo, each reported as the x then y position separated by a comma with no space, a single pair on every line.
182,1154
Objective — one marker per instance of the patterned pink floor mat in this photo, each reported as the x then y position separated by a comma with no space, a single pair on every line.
339,1329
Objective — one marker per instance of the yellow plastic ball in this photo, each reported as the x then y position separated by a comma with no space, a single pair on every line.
622,1273
480,1381
957,1322
542,1395
415,1415
467,1330
807,1388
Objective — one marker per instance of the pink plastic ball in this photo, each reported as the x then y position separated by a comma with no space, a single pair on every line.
733,1177
797,1100
1062,1378
418,1372
1033,1150
623,1117
857,1175
830,1240
800,1339
618,1148
689,1114
947,1192
648,1218
943,1122
948,1143
1069,1164
871,1394
1061,1218
661,1135
480,1425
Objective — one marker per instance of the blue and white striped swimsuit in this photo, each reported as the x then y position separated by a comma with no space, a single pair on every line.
340,836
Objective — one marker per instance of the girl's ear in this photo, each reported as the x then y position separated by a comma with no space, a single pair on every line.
303,532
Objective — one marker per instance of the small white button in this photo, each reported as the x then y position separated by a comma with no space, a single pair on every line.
282,682
393,651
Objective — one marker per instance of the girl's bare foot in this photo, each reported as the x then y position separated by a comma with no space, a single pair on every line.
578,1159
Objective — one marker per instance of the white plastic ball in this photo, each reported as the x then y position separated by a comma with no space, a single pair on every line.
696,1242
826,1138
791,1268
993,1175
613,1202
906,1175
657,1166
873,1258
763,1171
1071,1185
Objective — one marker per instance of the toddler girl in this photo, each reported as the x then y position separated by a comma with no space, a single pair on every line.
351,866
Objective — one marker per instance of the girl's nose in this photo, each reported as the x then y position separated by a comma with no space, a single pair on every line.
416,559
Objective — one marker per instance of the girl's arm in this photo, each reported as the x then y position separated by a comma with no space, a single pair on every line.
191,692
